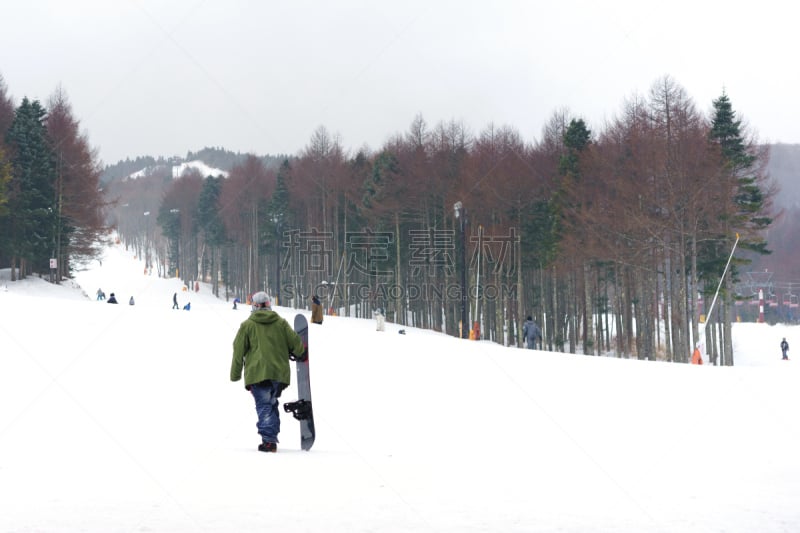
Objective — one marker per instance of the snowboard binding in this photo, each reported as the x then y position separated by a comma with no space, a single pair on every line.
301,409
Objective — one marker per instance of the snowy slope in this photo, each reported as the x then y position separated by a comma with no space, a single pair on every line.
122,418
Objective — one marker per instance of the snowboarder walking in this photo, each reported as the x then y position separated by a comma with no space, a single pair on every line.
175,301
262,347
785,349
531,333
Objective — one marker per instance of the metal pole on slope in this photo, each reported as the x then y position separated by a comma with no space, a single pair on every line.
477,317
461,215
721,279
336,282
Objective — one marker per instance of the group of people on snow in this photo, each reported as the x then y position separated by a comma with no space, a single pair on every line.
175,305
264,342
697,358
112,298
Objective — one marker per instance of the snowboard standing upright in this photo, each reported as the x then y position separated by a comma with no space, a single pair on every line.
301,409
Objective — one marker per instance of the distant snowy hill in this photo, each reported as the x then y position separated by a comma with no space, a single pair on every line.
205,170
181,169
209,161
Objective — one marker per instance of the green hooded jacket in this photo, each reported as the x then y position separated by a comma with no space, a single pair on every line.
262,347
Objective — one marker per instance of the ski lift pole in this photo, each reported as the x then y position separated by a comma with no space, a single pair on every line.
336,282
714,300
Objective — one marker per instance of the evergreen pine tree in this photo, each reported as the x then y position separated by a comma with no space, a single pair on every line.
279,203
749,198
5,178
209,221
278,221
33,228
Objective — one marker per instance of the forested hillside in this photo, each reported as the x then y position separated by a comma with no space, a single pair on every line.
52,211
614,240
213,157
605,237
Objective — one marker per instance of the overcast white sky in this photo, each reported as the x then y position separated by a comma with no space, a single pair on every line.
151,77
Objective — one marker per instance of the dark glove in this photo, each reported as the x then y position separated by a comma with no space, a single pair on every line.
302,357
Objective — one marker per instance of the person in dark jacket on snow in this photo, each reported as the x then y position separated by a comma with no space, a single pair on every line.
531,333
785,349
261,348
111,299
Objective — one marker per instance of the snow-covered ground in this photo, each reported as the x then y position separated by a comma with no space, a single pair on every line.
123,419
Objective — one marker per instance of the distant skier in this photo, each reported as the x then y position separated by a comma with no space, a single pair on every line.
316,310
100,294
697,358
785,349
236,302
131,302
175,301
531,333
111,299
380,319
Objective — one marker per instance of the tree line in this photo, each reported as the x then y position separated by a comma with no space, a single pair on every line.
607,238
51,205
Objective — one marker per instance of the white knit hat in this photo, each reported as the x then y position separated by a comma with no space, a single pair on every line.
261,298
